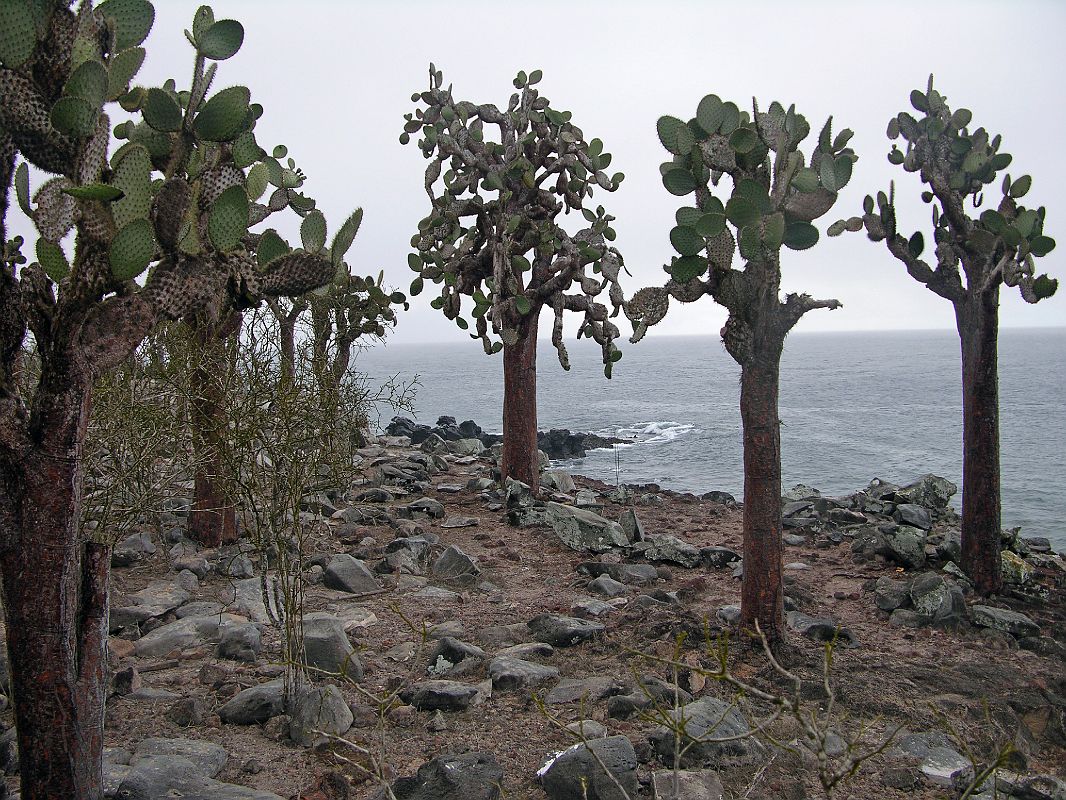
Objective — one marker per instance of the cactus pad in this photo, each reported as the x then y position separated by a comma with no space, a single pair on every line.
227,221
123,67
52,260
222,117
18,33
74,116
313,232
132,20
161,111
132,250
221,40
133,177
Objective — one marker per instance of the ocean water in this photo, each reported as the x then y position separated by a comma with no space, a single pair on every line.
854,406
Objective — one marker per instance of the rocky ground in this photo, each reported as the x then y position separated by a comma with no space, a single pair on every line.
454,632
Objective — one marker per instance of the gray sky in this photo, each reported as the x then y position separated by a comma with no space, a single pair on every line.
336,78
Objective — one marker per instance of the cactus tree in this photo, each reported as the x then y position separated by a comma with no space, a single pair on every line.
499,182
995,247
776,194
168,204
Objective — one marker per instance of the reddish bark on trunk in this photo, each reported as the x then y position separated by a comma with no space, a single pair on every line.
520,460
55,602
978,323
762,595
213,518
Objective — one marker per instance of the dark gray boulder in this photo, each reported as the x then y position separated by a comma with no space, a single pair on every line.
470,776
579,774
157,777
255,705
708,718
561,631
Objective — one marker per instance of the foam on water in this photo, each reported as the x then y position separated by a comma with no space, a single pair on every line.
643,433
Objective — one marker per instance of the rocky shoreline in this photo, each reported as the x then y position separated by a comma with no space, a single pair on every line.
438,604
557,444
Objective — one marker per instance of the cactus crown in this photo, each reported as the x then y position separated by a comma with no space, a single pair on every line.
186,181
776,194
493,233
958,162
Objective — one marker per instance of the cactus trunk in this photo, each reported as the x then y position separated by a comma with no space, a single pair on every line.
762,593
978,323
212,520
55,603
520,460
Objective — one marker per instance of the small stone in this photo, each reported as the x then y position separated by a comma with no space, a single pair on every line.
605,769
187,712
437,723
608,587
509,674
1002,619
240,641
455,565
443,695
320,713
687,785
459,522
588,729
563,631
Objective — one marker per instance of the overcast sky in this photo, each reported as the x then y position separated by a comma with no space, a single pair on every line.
336,79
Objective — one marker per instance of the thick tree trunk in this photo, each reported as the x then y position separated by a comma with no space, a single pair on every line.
212,520
762,594
978,323
55,603
519,460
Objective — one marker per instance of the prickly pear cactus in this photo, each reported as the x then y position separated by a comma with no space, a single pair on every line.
177,198
776,195
499,182
959,164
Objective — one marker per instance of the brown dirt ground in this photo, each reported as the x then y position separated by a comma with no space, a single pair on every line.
988,688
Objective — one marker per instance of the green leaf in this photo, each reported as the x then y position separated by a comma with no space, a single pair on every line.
95,191
52,260
669,130
222,40
961,118
416,287
800,236
916,244
22,188
342,242
132,19
132,250
773,231
133,177
246,150
313,232
74,117
686,241
1026,221
741,211
743,140
201,21
534,77
993,221
1044,287
686,268
271,246
919,100
257,181
710,224
710,113
89,82
805,180
227,221
748,242
522,305
414,262
1040,246
679,182
827,173
122,68
686,215
161,111
223,116
1021,186
18,33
